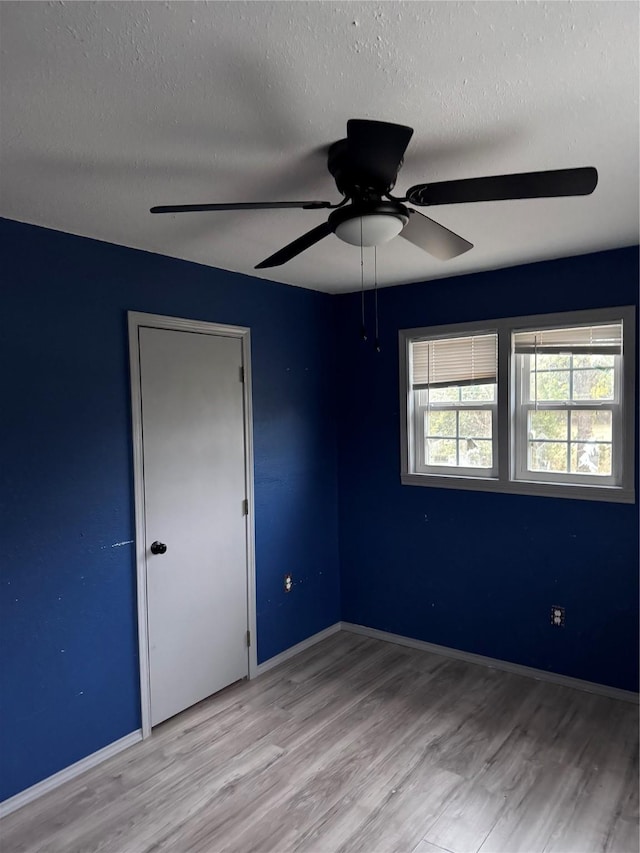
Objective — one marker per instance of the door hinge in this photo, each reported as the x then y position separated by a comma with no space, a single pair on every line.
245,507
241,373
249,639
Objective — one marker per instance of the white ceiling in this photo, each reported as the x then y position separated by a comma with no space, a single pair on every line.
110,108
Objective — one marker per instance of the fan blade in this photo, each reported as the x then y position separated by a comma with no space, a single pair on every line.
305,242
377,148
561,182
250,205
433,237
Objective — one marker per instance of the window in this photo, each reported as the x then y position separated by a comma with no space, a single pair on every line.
453,382
530,405
568,424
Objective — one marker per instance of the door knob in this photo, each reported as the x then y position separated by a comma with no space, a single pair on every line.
158,548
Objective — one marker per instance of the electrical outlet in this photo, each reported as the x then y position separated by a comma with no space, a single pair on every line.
288,583
557,616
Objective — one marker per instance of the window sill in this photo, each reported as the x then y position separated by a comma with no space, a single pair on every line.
608,494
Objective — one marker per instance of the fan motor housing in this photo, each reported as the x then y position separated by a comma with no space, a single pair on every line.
352,179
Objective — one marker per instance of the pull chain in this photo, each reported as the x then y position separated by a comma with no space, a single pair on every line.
375,294
363,328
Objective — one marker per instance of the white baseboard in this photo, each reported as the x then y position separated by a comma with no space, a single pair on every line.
299,647
494,663
51,782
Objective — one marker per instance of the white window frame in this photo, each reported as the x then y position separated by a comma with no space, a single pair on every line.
476,405
510,475
524,406
472,405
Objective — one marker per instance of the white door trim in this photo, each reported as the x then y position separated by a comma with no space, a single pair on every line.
157,321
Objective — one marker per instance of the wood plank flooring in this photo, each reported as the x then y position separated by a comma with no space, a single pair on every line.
361,746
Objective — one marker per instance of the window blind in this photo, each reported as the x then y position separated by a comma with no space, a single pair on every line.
596,340
467,360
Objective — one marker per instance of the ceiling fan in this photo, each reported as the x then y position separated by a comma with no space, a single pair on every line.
365,167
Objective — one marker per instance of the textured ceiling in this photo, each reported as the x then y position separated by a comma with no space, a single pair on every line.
110,108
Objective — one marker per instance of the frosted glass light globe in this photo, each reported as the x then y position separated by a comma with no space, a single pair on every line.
376,228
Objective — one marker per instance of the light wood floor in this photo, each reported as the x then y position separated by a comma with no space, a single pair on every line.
360,745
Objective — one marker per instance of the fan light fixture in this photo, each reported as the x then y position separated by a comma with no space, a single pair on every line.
371,230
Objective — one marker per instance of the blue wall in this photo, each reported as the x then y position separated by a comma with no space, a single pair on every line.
473,570
67,612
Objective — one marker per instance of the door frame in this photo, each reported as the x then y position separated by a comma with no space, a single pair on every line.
137,320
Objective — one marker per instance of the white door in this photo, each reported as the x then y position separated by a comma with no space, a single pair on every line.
194,491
